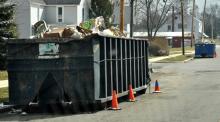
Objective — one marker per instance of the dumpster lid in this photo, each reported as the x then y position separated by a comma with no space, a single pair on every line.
65,40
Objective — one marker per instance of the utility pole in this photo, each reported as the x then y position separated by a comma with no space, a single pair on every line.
212,19
173,19
182,14
132,18
173,22
192,31
203,22
121,16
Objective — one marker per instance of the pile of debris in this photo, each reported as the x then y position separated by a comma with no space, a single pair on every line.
92,26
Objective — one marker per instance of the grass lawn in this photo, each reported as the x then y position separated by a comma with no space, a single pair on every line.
179,50
3,75
3,94
178,58
150,57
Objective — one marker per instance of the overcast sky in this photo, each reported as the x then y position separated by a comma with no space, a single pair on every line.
200,3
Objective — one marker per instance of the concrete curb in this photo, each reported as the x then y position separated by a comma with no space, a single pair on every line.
162,58
185,61
171,56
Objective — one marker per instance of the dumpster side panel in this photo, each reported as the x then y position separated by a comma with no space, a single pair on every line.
78,71
210,50
78,76
122,62
66,76
21,78
26,78
205,50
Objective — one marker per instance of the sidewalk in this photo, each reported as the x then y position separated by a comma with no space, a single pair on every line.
152,60
3,83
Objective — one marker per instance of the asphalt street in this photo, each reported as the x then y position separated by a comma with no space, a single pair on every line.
191,93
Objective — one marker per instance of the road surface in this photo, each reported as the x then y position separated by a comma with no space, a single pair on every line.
191,93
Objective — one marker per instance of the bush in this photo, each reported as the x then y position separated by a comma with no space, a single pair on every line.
2,54
155,50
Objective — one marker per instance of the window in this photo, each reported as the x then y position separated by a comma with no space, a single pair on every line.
169,27
180,26
185,25
59,14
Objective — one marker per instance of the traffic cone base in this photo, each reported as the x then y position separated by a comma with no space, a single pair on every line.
132,100
157,92
115,109
114,101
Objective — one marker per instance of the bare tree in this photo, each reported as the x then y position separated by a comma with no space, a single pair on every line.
155,14
214,9
212,20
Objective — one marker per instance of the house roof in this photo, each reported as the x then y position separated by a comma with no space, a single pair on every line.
38,1
62,2
163,34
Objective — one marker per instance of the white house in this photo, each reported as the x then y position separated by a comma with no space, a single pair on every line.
127,14
167,27
54,12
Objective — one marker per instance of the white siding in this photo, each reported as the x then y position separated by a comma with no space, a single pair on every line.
22,17
51,14
36,14
177,21
79,13
70,15
41,14
85,4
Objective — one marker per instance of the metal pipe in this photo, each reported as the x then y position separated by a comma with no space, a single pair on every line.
105,55
126,67
121,65
138,63
134,45
116,56
142,73
145,63
130,82
111,64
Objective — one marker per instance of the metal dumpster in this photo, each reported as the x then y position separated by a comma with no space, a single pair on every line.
50,71
205,50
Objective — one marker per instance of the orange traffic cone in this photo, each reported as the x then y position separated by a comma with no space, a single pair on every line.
131,94
115,101
157,87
